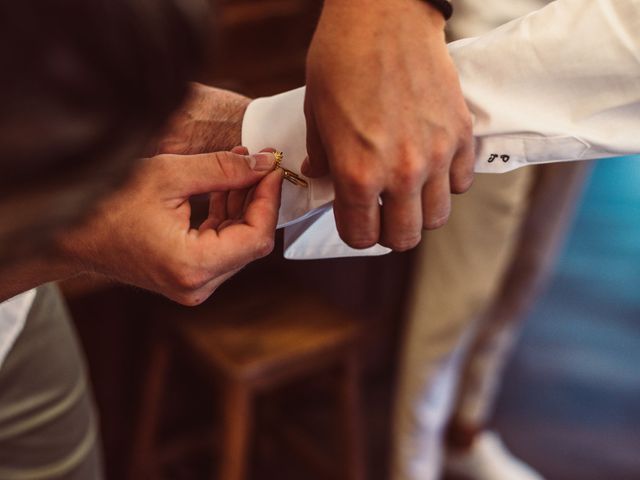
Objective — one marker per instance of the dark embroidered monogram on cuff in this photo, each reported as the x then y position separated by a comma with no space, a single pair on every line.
503,157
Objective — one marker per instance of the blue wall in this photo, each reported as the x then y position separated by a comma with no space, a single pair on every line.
574,383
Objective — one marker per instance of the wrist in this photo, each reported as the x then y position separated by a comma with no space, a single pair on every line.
209,121
61,268
76,249
225,112
16,278
387,10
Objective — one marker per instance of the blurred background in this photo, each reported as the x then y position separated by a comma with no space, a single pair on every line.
569,399
290,370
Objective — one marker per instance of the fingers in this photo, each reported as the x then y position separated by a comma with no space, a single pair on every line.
413,205
220,171
238,244
195,261
217,211
262,212
236,203
228,207
357,218
462,168
316,163
240,150
216,256
401,221
436,202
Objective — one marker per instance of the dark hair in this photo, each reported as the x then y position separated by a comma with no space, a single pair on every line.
85,84
81,76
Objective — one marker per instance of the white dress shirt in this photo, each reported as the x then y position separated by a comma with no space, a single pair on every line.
560,84
13,314
476,17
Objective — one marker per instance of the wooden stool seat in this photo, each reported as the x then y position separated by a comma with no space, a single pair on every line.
247,344
262,342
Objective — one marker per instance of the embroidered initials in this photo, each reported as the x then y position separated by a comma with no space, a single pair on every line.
493,156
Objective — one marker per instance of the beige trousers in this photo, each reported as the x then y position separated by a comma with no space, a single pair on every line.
458,272
48,427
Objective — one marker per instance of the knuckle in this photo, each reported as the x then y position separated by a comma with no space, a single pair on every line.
463,173
435,222
461,183
227,167
191,299
358,236
265,246
440,155
187,278
359,240
360,243
405,243
465,127
410,173
361,183
442,143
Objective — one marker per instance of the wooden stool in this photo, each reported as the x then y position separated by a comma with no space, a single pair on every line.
251,345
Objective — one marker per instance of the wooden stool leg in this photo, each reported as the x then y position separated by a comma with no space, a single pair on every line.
143,462
237,425
351,409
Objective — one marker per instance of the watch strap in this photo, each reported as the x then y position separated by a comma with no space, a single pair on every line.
443,6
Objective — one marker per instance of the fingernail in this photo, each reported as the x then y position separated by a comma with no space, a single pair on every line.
262,162
304,168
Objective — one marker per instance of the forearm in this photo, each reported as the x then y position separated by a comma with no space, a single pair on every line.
209,121
23,276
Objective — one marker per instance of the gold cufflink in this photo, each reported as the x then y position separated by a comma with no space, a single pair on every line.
288,174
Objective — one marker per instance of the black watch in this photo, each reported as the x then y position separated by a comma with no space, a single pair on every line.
443,6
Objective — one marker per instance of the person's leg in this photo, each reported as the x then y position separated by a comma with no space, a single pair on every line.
48,426
459,271
472,450
480,379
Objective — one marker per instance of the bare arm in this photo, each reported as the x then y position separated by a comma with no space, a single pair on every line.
18,278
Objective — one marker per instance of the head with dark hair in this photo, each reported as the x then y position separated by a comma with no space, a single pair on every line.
84,86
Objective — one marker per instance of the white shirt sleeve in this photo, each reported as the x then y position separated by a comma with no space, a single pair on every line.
473,18
13,314
560,84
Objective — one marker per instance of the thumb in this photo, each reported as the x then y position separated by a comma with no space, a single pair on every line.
219,171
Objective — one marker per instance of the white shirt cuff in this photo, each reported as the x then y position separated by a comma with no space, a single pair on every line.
306,213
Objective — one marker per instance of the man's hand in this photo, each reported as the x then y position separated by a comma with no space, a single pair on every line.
142,234
386,117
